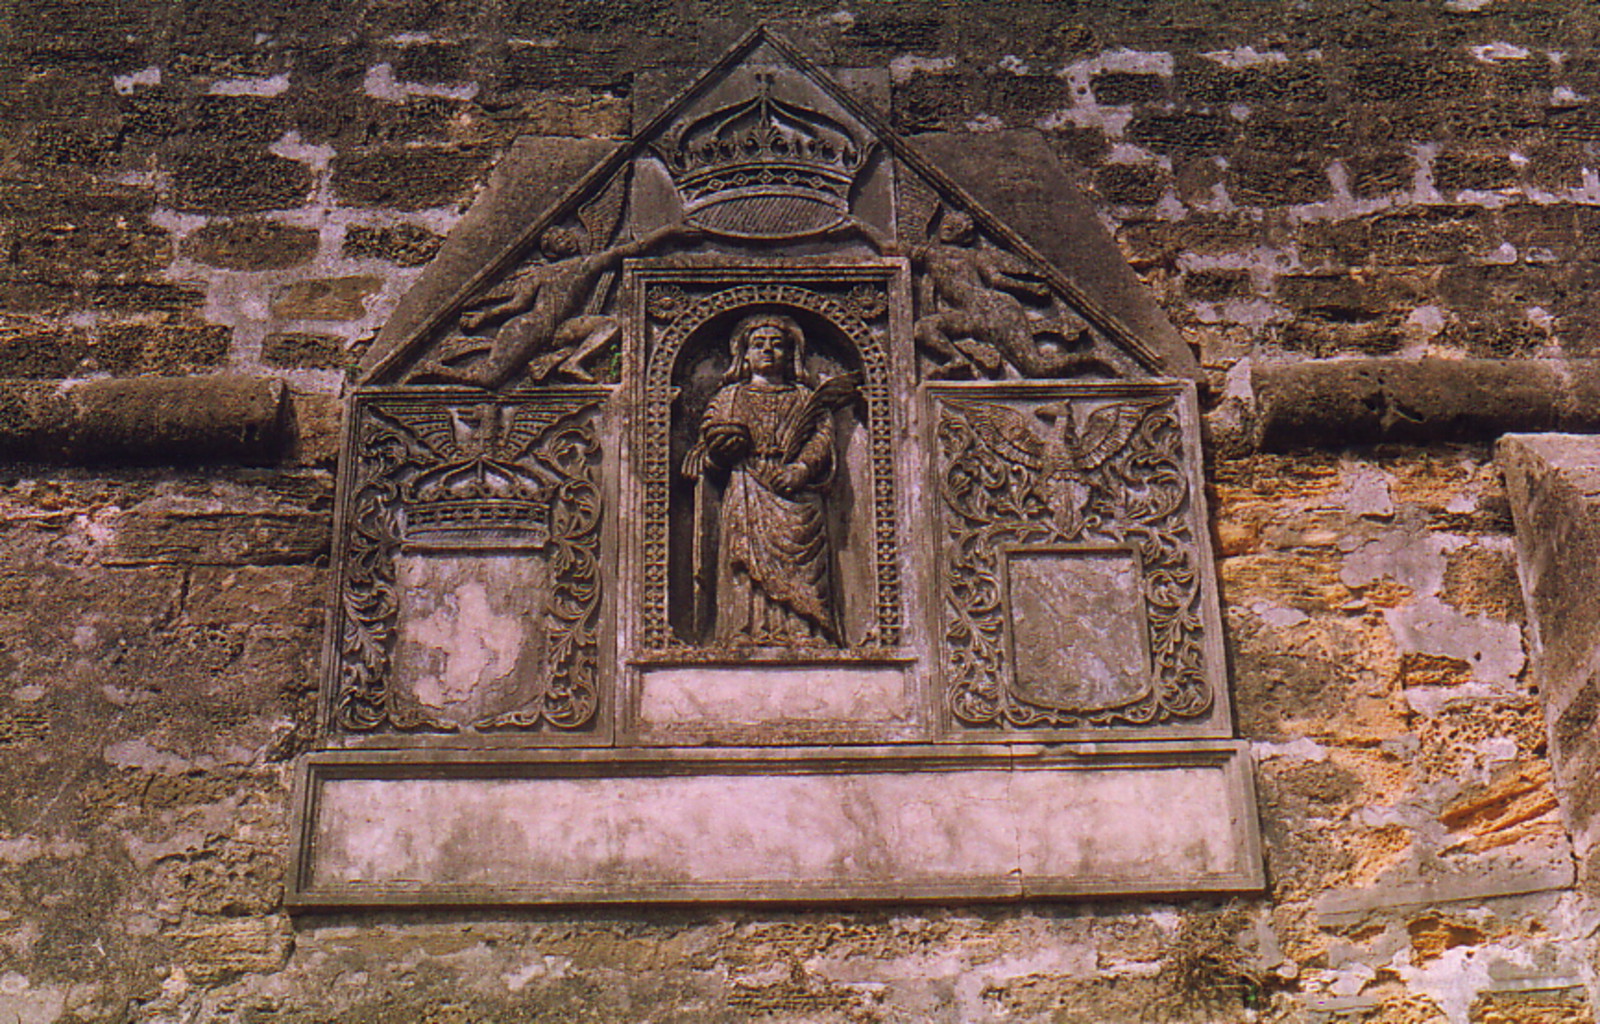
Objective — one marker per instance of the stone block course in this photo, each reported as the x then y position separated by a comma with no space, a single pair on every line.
408,178
238,181
1131,184
1453,171
1119,88
168,347
1181,132
1271,85
1264,179
405,244
1375,173
332,298
431,62
251,244
144,420
307,351
596,66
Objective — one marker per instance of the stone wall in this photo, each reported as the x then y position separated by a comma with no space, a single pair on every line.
211,190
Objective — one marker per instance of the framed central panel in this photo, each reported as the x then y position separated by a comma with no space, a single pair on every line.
763,518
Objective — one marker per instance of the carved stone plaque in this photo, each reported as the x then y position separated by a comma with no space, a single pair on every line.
469,565
1076,579
817,501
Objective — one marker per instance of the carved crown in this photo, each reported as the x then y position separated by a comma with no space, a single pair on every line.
764,167
489,508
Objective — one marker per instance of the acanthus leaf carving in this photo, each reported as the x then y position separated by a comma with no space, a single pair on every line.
449,472
1117,481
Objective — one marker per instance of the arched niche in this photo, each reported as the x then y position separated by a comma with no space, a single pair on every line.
686,360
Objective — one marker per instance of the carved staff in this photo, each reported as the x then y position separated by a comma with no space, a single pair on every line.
704,569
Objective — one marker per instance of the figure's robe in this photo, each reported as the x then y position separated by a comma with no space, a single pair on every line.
773,580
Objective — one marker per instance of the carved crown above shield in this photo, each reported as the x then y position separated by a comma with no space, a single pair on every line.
765,168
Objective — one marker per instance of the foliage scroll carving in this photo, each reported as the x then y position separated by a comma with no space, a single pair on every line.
468,473
1101,475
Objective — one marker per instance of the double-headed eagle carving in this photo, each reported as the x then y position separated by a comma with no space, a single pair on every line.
1062,462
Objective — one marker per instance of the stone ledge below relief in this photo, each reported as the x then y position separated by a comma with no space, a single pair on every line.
805,824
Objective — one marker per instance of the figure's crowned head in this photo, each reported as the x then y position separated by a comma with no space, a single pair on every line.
768,344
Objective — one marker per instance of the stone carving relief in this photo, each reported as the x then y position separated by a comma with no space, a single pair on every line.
769,457
470,586
534,325
767,460
1032,480
756,291
982,311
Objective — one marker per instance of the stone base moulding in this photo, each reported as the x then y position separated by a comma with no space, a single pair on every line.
683,705
1000,822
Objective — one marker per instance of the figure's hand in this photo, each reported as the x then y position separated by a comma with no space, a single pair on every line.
791,479
473,321
727,442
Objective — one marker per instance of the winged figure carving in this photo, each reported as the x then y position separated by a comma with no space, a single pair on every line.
1063,459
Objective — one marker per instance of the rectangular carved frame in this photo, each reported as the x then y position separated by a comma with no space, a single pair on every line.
1226,761
994,423
869,299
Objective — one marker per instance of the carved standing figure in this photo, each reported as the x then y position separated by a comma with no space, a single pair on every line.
974,314
542,326
771,433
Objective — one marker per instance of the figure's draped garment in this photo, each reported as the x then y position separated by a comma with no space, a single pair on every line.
773,581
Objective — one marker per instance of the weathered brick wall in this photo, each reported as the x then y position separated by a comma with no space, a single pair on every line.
216,187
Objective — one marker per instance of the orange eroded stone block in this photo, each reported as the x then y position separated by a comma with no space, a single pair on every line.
1375,852
1418,669
1408,1008
1310,583
1483,582
1432,934
1515,807
1537,1007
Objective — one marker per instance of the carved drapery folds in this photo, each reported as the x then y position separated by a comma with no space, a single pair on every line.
448,488
701,518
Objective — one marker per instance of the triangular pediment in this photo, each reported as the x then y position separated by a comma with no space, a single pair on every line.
765,156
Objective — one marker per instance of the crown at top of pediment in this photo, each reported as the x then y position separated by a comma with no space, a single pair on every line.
761,153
